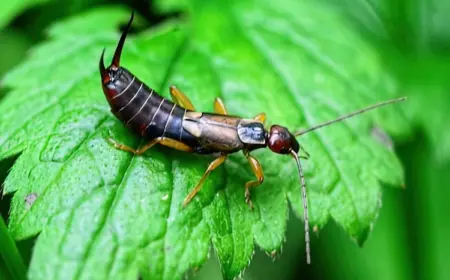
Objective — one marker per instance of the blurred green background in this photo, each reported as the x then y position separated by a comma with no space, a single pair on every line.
409,241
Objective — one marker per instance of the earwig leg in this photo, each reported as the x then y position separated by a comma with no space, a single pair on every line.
174,144
213,165
160,140
180,98
139,151
257,170
260,118
219,107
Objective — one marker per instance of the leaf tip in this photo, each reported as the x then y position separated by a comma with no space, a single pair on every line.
361,238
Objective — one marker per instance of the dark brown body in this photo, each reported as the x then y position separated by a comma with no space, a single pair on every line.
143,110
148,114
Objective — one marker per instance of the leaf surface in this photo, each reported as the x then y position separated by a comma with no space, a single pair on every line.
9,9
103,213
418,30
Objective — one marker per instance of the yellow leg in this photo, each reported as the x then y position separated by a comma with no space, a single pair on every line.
174,144
160,140
139,151
213,165
260,118
219,107
180,99
257,170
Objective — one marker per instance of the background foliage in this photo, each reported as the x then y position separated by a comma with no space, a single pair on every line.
409,239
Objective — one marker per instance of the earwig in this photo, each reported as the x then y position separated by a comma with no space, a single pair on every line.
176,124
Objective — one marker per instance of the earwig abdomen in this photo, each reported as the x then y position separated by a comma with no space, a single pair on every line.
143,110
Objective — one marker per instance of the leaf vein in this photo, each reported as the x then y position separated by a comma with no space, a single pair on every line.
57,177
110,205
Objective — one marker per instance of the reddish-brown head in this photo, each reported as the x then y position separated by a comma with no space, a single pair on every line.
281,141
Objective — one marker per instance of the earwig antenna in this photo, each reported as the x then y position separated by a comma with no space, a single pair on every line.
305,207
301,132
116,59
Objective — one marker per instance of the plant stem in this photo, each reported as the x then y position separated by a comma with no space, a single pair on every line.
10,254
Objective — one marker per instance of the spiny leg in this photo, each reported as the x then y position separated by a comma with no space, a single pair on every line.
213,165
257,170
160,140
180,98
261,117
219,106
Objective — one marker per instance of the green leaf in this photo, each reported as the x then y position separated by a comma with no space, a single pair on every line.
427,20
104,213
170,5
414,26
15,48
368,14
437,19
9,9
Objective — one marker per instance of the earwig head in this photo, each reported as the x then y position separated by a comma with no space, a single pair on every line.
281,141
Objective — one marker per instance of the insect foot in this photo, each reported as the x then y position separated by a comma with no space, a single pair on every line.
247,198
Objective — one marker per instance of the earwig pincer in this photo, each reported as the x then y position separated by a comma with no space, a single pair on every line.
176,124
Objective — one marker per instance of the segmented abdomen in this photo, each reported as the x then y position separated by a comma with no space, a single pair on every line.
145,111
